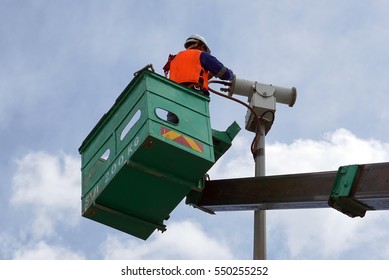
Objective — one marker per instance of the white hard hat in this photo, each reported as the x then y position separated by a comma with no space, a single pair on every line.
195,38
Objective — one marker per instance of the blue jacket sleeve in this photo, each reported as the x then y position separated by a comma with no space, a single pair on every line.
215,67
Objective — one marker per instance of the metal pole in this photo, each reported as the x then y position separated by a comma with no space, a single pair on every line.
260,215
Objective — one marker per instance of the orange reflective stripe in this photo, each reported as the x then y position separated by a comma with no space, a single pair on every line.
197,146
181,139
186,68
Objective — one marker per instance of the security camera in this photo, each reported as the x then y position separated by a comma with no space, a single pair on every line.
262,98
249,88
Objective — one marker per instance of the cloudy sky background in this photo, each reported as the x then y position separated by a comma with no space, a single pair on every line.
63,63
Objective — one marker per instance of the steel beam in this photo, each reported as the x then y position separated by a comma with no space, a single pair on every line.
294,191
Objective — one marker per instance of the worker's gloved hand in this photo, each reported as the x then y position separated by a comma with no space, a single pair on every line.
231,87
227,89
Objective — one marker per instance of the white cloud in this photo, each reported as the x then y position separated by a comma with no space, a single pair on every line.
49,186
44,251
8,245
327,234
340,147
183,240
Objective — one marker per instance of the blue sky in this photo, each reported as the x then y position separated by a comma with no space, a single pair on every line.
65,62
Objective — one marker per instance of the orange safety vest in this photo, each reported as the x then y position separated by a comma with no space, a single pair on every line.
186,68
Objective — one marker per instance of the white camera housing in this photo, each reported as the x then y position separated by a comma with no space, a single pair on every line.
262,98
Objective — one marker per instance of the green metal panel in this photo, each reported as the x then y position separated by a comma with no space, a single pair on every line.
342,194
136,166
222,139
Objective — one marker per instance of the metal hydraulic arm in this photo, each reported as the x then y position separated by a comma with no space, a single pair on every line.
352,190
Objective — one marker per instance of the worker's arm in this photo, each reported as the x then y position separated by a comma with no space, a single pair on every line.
215,67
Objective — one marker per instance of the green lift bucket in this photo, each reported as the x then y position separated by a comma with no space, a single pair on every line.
137,165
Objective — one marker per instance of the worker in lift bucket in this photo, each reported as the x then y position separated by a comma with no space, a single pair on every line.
194,66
